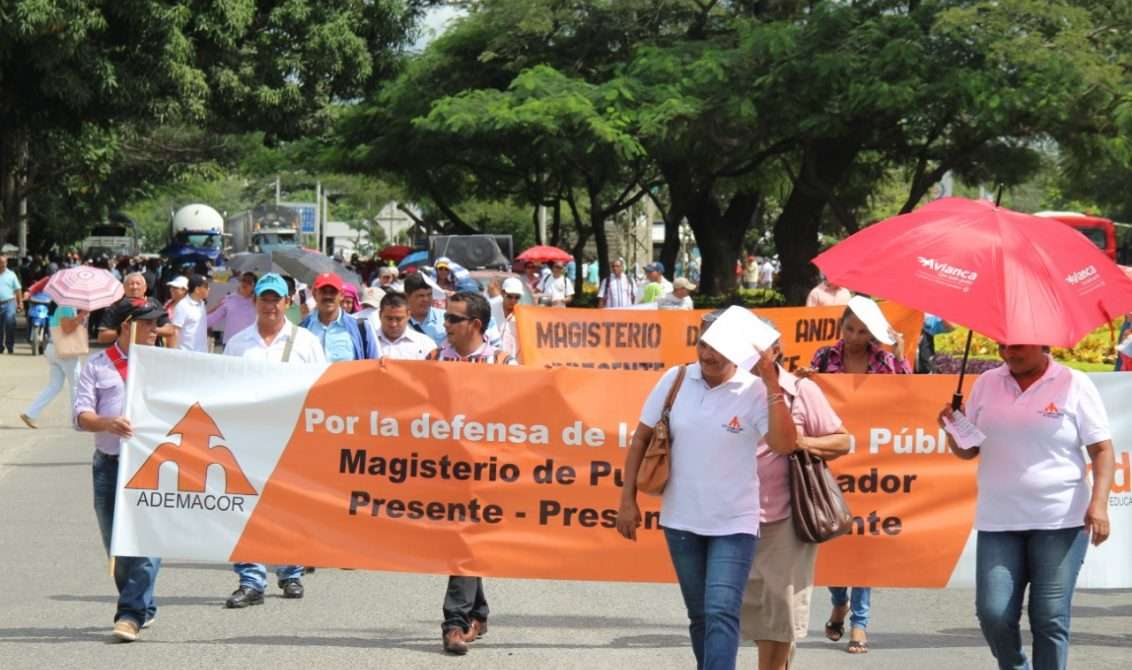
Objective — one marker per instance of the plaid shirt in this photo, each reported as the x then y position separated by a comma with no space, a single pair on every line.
880,361
485,354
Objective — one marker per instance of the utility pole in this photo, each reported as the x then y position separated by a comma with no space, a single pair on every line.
278,189
318,222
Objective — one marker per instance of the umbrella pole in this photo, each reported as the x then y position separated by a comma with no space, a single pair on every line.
957,399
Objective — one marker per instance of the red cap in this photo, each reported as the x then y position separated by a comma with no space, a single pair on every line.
328,279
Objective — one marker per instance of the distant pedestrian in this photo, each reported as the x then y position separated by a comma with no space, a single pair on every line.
190,317
616,290
512,290
11,301
655,285
178,288
827,293
423,317
62,370
681,296
236,310
557,290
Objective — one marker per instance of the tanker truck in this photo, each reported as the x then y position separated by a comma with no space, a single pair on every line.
196,235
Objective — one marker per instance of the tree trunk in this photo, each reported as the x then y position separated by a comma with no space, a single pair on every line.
719,235
671,247
796,230
597,219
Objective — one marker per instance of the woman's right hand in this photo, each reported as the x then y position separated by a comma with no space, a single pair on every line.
628,519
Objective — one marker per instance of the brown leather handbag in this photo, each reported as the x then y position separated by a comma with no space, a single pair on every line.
816,504
652,476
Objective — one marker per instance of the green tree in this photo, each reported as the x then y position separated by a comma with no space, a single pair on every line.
125,67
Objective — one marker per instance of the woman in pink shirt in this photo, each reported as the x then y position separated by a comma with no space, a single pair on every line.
237,310
776,602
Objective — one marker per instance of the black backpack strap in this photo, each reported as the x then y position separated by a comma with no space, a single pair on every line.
363,336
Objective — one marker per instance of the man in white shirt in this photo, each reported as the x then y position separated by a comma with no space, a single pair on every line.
680,298
827,293
190,316
395,339
371,302
512,294
617,289
271,338
557,290
766,273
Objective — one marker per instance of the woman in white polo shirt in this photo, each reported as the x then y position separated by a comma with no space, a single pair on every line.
710,510
1036,509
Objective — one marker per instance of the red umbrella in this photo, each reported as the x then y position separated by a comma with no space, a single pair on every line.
394,252
1015,278
84,287
545,254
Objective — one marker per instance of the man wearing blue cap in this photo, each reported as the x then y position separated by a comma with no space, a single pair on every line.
271,338
655,285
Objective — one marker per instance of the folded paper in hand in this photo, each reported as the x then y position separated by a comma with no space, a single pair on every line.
965,433
740,336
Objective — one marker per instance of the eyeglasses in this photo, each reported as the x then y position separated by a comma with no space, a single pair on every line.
512,296
455,318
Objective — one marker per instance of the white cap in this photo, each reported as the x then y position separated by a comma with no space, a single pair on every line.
869,313
444,262
179,282
683,282
513,286
371,297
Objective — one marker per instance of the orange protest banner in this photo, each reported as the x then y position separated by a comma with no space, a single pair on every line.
484,470
658,339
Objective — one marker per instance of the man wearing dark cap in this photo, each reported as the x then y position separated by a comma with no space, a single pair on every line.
271,338
655,285
100,396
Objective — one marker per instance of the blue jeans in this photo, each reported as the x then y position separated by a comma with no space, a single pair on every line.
712,572
1047,560
858,601
8,325
254,575
134,576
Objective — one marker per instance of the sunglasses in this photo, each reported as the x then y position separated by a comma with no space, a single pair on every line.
455,318
512,296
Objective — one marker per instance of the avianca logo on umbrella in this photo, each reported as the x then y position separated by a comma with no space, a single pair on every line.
1082,275
939,267
193,456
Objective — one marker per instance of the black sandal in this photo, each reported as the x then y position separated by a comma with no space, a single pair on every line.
835,630
858,647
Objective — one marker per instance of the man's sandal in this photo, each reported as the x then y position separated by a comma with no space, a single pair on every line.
835,630
858,647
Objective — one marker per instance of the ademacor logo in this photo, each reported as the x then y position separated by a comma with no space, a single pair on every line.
946,269
1081,275
193,456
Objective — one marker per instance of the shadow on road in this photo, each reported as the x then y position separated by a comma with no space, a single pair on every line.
54,635
162,601
570,622
45,465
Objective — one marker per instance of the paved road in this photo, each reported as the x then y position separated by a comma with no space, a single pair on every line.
57,601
